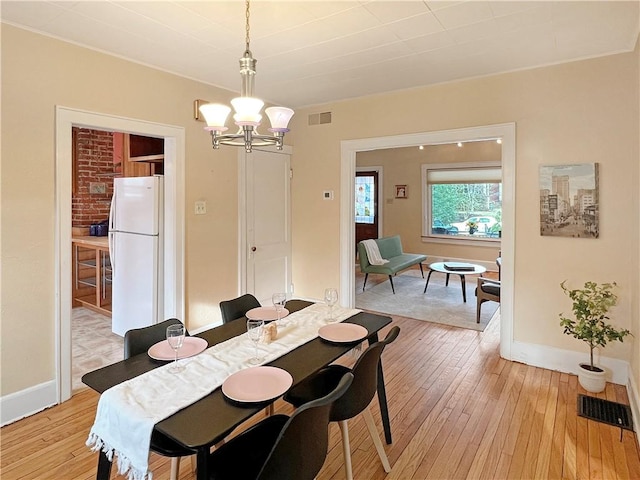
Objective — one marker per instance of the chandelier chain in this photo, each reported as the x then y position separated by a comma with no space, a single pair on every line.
247,27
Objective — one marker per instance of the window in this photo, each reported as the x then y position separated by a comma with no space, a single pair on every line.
462,201
365,198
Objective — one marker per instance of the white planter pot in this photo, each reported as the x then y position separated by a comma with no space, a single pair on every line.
592,381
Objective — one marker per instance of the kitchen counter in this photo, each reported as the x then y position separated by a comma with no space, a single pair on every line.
101,243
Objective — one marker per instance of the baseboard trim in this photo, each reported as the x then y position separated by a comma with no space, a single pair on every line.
567,361
634,402
24,403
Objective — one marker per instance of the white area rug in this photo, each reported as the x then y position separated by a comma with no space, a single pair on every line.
439,305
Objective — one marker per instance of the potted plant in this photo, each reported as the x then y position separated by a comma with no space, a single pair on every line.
473,226
590,307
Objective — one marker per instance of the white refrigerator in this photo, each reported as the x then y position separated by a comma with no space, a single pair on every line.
136,250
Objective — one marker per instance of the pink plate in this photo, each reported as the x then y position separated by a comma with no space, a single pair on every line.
343,332
266,313
257,384
191,346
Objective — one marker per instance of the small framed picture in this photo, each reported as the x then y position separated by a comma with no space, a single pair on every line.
401,191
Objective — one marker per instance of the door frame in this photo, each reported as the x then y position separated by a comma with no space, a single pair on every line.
242,216
506,131
379,170
174,144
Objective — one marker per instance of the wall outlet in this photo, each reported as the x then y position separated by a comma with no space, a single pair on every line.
327,195
201,207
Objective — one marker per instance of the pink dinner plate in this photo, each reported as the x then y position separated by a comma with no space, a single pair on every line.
266,313
342,332
257,384
191,346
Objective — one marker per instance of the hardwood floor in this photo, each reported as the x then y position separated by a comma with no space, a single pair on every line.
457,411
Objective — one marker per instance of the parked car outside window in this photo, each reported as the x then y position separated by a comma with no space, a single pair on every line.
441,229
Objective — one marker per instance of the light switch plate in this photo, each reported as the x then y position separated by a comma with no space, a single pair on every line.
201,207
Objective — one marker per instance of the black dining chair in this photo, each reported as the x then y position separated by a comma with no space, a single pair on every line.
138,341
356,399
281,447
237,307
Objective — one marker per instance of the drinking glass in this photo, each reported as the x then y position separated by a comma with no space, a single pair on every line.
175,337
279,300
331,298
254,330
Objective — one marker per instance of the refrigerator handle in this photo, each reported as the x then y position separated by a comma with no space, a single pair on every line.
112,243
112,211
112,256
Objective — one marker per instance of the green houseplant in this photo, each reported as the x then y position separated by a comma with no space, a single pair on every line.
590,307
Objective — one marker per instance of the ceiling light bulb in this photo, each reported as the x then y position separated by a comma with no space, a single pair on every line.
499,141
459,144
421,147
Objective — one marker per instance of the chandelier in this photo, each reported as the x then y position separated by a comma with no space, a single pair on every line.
247,111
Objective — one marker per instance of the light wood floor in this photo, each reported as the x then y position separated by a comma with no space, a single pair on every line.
457,411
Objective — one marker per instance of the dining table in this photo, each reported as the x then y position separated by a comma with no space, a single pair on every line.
205,422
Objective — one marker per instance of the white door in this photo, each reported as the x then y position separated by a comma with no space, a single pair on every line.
267,226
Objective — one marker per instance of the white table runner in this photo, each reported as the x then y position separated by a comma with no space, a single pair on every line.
127,412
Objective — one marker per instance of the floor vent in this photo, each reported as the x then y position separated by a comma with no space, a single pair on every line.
605,411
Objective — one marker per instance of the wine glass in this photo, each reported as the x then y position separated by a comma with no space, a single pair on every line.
331,298
254,330
279,300
175,337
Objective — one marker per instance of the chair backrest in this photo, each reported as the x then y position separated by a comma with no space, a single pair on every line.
365,380
301,448
237,307
139,340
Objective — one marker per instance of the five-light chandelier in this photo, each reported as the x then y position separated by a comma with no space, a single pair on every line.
247,111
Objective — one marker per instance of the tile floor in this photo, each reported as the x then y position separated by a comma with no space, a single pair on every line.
93,344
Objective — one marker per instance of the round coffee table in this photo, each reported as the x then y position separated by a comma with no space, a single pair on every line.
456,268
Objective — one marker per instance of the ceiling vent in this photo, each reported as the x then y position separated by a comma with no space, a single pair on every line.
320,118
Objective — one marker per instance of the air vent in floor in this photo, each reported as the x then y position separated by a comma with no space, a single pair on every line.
605,411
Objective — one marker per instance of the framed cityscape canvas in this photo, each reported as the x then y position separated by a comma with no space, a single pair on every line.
569,200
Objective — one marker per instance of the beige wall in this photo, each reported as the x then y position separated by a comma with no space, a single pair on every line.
39,73
578,112
403,166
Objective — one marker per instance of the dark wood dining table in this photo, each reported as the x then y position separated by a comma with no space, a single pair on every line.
205,422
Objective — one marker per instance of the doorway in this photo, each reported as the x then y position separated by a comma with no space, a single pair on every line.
174,147
506,131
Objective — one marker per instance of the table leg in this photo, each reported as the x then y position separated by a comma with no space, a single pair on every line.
202,463
464,288
104,467
446,283
427,284
382,395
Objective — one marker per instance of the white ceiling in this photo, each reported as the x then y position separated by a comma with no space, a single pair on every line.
312,52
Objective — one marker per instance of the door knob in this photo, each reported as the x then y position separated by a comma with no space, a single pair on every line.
253,249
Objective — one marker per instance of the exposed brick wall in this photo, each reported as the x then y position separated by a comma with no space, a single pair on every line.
94,167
